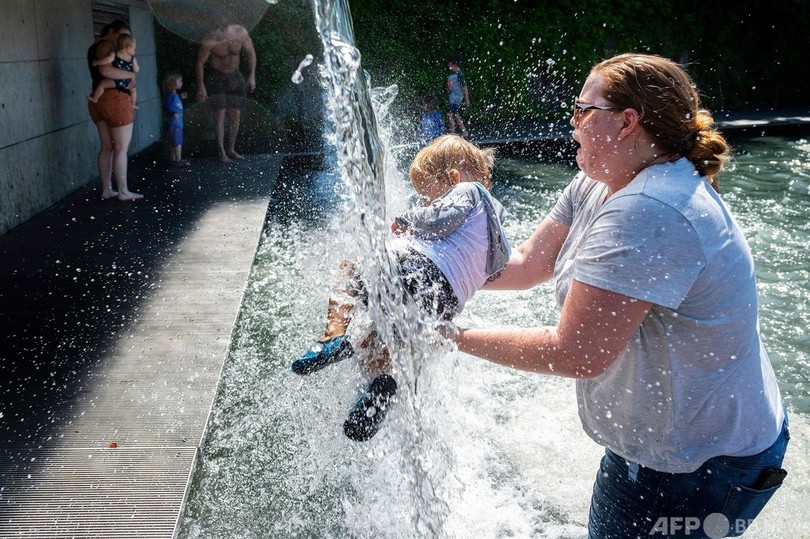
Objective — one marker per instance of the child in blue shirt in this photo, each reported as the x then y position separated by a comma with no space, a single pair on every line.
457,95
173,104
431,126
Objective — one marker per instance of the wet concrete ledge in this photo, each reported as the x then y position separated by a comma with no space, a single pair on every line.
732,124
116,320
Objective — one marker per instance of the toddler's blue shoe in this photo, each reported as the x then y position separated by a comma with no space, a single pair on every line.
322,354
368,413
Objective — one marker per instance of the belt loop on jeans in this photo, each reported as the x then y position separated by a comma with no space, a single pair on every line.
632,470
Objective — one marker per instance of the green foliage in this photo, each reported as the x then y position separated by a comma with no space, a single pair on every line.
526,59
282,38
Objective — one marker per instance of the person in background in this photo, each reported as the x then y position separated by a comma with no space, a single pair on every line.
431,125
222,84
659,322
113,114
457,94
173,106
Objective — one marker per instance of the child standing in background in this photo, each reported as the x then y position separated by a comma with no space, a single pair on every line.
122,58
457,95
173,103
432,125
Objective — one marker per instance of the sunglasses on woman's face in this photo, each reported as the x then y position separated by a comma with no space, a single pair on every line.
579,109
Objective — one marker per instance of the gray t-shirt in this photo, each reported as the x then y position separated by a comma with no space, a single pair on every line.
695,382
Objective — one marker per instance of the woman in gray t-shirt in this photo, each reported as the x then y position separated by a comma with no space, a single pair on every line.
659,317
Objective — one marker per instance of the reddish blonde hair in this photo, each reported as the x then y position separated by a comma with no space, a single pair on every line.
669,108
124,41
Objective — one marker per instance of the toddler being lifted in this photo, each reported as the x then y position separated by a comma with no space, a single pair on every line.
445,251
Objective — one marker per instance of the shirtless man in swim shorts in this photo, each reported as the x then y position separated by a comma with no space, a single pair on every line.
223,85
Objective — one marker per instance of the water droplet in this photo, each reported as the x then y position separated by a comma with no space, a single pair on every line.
297,77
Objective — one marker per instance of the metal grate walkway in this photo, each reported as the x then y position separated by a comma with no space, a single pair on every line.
83,492
116,320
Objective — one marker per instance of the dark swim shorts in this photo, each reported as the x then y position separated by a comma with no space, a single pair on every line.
425,284
114,107
225,90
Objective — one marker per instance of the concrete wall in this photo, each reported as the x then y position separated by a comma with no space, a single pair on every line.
48,144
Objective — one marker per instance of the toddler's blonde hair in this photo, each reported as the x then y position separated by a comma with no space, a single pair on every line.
170,81
124,41
434,162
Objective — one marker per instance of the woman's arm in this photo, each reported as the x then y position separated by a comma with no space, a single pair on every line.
533,261
110,72
595,327
105,60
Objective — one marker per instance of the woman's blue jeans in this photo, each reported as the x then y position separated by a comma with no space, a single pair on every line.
717,500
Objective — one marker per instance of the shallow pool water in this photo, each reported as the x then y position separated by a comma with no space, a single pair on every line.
478,450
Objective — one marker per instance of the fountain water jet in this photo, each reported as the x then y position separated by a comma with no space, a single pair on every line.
396,319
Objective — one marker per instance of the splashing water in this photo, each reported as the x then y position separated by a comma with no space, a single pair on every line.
395,318
297,77
478,450
276,463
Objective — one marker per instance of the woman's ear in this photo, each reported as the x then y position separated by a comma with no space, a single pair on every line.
630,122
454,176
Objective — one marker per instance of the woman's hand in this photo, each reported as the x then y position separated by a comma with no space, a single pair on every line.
399,230
448,330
